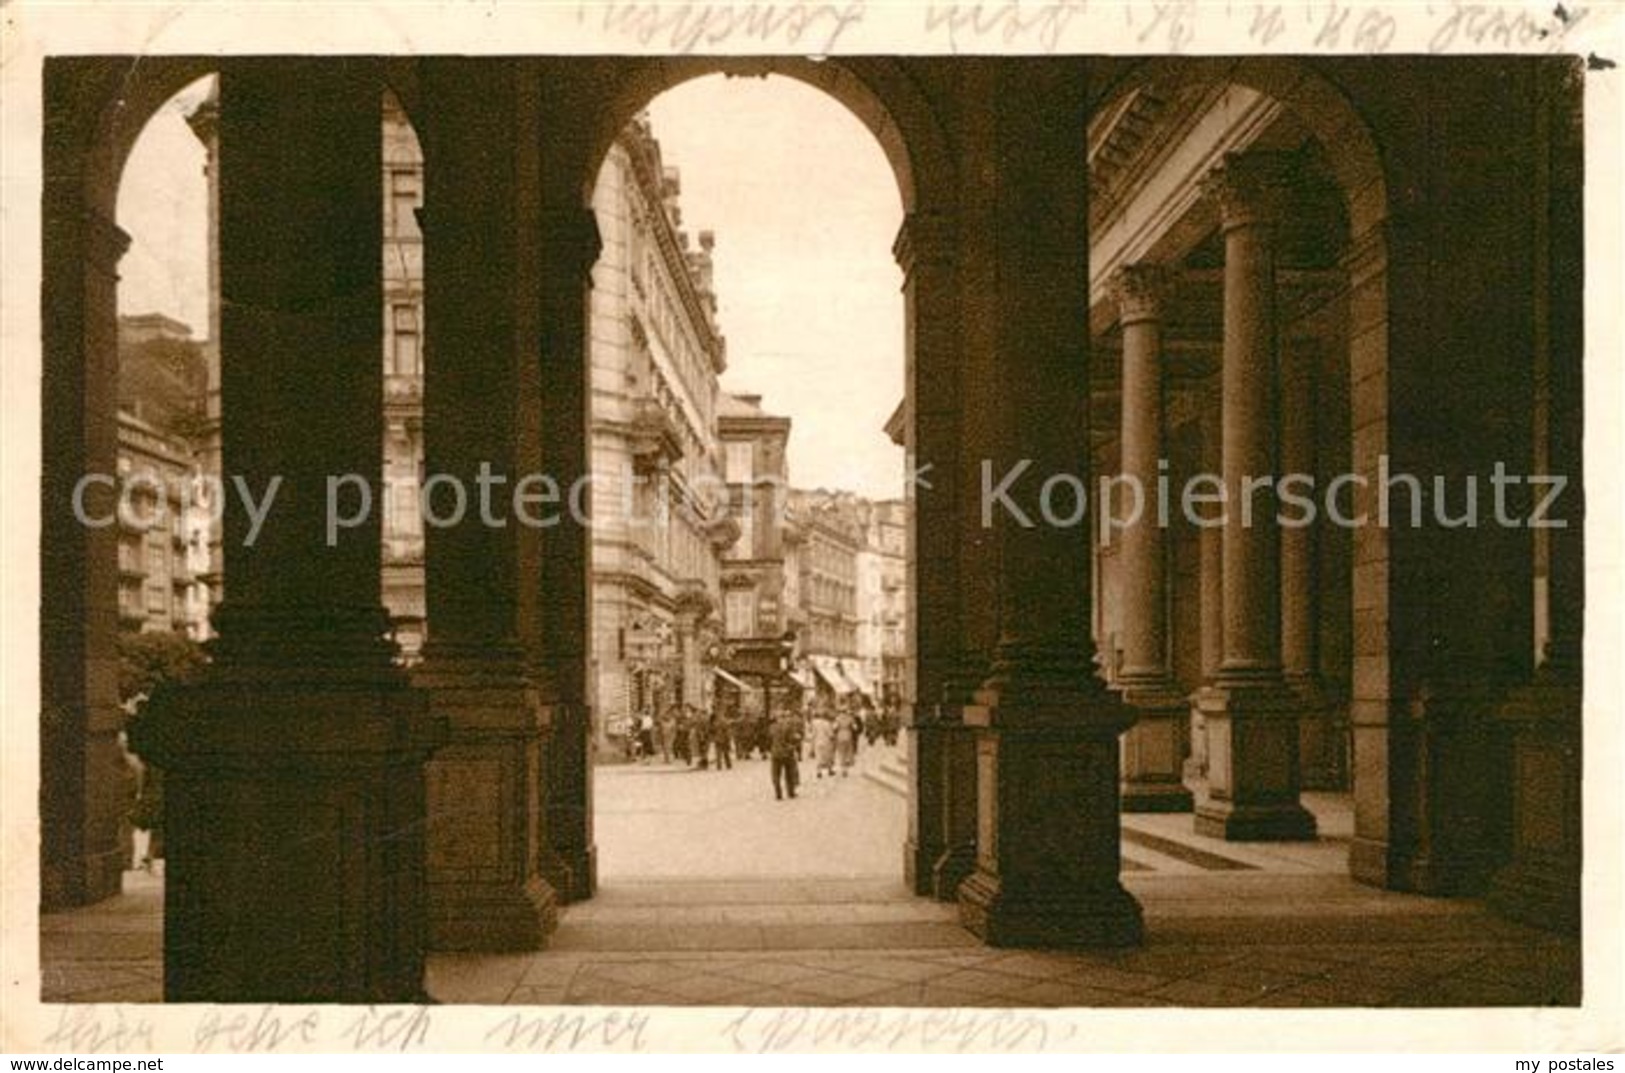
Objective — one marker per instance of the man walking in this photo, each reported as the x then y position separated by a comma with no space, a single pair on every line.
722,736
785,749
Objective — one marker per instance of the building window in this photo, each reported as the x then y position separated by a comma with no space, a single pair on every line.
407,352
738,464
403,201
739,611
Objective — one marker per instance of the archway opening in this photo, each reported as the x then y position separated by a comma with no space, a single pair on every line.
1161,145
750,532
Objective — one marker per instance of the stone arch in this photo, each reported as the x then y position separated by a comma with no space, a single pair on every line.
1377,192
878,93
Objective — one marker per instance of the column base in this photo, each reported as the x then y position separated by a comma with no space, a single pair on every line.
1109,917
1368,862
1153,750
85,880
1378,864
1322,735
1542,894
927,757
1541,886
572,873
492,918
952,869
484,802
1252,726
1285,822
1048,877
292,811
1195,766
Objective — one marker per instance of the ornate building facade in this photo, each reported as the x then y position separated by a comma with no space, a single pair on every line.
660,509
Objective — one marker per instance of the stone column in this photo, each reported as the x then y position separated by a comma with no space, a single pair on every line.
85,789
1320,752
1541,884
486,807
940,849
1048,853
1252,718
568,243
294,770
1154,748
1211,552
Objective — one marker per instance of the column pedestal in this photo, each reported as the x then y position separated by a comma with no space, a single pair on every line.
485,806
1322,748
293,818
1047,876
1154,749
1541,886
1038,886
1255,800
937,860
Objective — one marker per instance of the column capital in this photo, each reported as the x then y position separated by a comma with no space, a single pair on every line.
1252,189
925,238
1141,291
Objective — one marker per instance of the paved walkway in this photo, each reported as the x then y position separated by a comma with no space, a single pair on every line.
675,822
713,893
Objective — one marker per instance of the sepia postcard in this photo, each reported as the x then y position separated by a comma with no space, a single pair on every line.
782,527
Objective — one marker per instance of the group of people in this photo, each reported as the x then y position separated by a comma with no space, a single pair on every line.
684,732
826,734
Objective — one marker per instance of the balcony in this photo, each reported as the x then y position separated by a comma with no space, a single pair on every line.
403,390
656,441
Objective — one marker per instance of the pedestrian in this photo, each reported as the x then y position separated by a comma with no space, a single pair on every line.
680,737
823,738
699,742
722,737
668,733
784,750
846,740
646,737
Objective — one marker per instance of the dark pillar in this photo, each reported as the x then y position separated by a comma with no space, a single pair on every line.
1541,884
1048,859
84,783
567,244
486,808
940,850
294,771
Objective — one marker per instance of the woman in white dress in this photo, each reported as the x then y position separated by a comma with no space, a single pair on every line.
823,736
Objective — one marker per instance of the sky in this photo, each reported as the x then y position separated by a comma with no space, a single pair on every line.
805,208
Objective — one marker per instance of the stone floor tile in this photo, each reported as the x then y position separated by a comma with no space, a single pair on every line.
545,995
840,986
703,989
545,969
1033,965
1197,993
1111,979
1062,993
770,972
1251,977
981,981
933,994
902,970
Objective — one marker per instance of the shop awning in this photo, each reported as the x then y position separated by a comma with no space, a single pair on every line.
730,679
